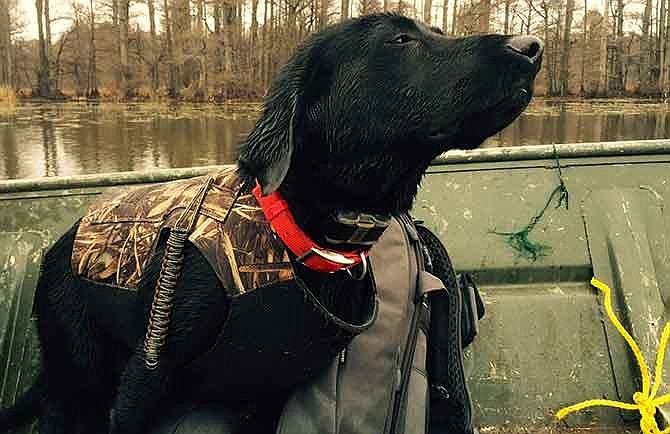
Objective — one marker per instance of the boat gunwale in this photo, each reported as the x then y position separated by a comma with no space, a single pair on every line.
453,157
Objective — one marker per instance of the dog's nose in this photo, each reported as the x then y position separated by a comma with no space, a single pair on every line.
528,46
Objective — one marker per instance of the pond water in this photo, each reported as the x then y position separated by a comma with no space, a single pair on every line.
40,139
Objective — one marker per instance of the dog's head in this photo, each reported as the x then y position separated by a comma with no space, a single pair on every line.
361,109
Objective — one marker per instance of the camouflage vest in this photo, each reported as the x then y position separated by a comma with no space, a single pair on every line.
119,233
277,333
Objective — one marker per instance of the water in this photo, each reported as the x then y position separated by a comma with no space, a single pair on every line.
71,139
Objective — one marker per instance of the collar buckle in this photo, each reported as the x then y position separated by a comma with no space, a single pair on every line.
348,227
326,254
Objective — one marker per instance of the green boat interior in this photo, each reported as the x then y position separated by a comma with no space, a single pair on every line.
532,225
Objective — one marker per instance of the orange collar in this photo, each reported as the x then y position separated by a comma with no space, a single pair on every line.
307,252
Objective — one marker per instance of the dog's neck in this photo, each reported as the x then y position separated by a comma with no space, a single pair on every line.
313,202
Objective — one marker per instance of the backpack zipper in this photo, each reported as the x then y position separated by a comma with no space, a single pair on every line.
410,346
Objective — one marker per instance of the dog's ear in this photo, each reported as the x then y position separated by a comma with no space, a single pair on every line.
266,154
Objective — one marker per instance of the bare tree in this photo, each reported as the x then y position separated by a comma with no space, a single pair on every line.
565,52
173,85
619,67
344,5
92,79
644,80
124,72
506,25
6,55
43,68
604,33
484,16
154,56
427,10
582,78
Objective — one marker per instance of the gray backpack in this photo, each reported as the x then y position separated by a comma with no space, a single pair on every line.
404,374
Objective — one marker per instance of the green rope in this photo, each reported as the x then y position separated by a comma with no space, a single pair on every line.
519,240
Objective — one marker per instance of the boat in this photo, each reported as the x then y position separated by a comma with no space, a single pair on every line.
531,225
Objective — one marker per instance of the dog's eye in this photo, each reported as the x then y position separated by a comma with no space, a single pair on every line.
401,39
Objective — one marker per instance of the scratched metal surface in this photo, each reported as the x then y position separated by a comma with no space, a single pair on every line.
542,344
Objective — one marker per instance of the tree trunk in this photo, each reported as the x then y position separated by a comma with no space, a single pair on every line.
427,10
565,52
619,66
484,16
660,44
43,69
173,84
644,82
47,29
582,85
253,42
508,4
665,76
154,72
454,18
5,45
662,48
123,47
445,16
345,9
228,22
549,54
76,67
115,13
323,14
604,33
9,78
92,82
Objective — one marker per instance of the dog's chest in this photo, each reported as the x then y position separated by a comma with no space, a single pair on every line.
277,337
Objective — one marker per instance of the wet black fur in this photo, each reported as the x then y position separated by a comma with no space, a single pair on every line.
351,123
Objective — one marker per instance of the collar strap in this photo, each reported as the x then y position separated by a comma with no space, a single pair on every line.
307,252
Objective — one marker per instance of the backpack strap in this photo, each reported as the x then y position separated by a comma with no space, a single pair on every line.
454,314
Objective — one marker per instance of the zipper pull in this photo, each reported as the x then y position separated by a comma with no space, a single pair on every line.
343,356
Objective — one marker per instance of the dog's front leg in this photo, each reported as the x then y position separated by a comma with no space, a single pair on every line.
141,389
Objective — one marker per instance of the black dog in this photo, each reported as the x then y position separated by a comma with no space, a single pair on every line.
351,123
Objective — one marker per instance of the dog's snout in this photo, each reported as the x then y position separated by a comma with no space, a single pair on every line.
528,46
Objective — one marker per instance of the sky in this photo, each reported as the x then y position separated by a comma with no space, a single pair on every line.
63,8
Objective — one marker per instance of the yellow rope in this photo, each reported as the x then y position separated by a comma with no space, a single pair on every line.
645,401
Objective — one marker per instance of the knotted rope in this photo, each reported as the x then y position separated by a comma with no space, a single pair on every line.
645,401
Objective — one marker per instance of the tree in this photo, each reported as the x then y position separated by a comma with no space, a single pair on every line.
582,78
427,9
173,85
6,50
644,80
154,47
124,72
344,4
565,52
604,33
92,78
484,16
43,84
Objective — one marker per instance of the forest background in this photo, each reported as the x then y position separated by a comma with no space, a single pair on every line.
221,50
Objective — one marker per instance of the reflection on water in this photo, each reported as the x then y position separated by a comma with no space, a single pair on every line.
550,122
69,139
